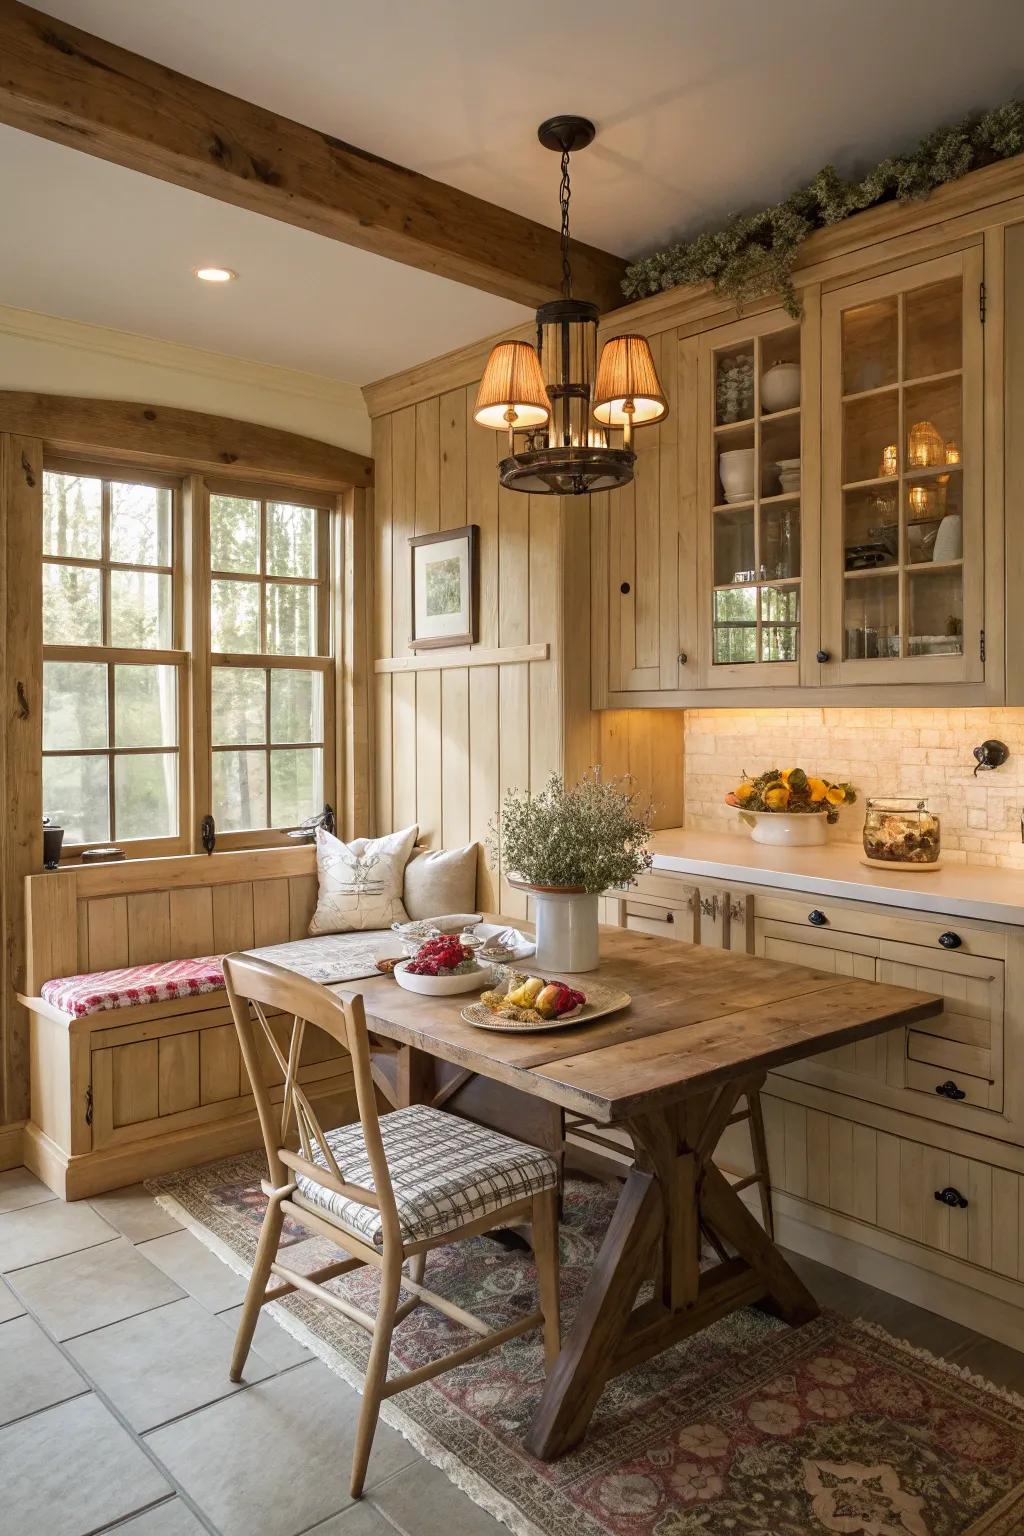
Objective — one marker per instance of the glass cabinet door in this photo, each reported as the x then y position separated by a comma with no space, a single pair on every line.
750,503
902,557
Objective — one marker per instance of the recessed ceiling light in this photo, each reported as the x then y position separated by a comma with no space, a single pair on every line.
215,274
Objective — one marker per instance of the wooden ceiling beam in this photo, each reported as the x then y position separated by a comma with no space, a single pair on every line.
68,86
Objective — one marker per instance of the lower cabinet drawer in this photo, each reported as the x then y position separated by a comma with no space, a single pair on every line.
953,1087
969,1209
665,922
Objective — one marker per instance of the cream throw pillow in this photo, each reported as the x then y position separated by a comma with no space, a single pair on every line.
441,880
360,883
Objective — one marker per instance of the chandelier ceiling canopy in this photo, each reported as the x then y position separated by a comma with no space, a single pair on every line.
557,396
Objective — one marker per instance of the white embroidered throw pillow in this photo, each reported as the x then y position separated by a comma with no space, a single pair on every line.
360,883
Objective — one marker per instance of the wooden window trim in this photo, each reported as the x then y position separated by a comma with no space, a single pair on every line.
191,654
111,656
327,639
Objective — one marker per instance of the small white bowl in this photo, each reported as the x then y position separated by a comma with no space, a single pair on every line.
442,986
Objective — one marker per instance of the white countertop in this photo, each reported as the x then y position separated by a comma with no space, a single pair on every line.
956,890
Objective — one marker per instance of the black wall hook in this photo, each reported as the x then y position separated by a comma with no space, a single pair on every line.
991,754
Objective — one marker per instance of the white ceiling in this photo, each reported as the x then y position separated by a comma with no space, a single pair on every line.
702,108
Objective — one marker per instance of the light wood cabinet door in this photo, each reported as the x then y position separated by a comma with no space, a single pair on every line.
643,567
902,439
757,499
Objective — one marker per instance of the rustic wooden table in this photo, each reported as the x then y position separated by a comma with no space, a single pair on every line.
703,1028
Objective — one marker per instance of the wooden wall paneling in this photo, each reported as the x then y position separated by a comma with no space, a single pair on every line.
621,574
546,623
455,761
383,810
350,769
233,917
383,511
191,922
482,509
403,525
403,750
453,469
149,927
428,756
514,755
580,723
484,777
513,561
271,910
599,601
428,465
21,837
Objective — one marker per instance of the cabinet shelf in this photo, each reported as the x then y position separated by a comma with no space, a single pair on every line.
888,389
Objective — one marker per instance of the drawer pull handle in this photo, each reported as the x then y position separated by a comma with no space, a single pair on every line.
952,1197
817,918
670,917
949,1090
950,940
822,656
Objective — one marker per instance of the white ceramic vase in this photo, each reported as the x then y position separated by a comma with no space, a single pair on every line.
784,831
736,469
780,387
566,931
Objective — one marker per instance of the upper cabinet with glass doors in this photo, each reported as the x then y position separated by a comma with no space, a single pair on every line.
902,538
755,496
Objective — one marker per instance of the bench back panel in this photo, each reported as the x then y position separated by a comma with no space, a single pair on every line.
105,917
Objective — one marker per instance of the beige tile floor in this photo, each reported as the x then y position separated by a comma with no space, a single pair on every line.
116,1413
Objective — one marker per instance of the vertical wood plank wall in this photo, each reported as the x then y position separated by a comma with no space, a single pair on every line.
449,741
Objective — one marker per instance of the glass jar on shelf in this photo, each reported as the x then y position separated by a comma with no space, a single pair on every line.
901,833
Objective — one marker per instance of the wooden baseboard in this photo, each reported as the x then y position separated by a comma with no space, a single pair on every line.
11,1145
75,1178
987,1303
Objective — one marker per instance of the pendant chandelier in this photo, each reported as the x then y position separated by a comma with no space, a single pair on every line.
557,394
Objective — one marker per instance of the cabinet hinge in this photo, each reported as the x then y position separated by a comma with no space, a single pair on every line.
981,644
88,1105
982,302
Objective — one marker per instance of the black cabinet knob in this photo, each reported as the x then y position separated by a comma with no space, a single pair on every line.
817,918
952,1197
950,940
624,588
949,1090
823,656
670,917
682,658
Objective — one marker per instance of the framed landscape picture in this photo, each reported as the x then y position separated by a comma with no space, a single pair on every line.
444,588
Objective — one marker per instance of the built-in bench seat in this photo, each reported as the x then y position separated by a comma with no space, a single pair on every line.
125,1087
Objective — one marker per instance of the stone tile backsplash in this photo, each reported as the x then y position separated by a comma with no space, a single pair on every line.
926,753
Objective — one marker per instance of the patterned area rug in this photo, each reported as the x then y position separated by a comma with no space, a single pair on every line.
750,1429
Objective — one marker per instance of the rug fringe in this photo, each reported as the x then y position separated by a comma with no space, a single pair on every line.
468,1482
950,1367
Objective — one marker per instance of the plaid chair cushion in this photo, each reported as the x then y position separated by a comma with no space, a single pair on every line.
445,1173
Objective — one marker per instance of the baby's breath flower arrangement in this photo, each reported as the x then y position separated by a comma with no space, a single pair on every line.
586,838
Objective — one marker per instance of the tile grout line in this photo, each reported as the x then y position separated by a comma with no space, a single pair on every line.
114,1411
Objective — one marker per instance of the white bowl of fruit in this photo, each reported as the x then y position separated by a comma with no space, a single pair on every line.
441,967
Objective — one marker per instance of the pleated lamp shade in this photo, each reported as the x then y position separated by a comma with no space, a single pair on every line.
512,383
626,375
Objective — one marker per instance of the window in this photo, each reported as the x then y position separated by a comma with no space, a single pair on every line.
112,658
270,635
138,665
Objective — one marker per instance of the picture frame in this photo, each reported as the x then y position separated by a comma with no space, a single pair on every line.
445,588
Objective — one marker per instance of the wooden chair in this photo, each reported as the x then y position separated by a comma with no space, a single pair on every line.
385,1191
590,1135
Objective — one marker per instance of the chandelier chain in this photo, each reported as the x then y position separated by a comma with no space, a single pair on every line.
564,194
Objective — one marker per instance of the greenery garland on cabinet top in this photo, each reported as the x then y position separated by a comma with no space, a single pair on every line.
755,254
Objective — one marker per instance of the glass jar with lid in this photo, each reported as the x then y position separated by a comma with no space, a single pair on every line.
901,834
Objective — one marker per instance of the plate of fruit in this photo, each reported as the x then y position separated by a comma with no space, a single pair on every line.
534,1002
440,967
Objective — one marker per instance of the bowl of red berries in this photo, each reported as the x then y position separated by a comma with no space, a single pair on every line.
441,967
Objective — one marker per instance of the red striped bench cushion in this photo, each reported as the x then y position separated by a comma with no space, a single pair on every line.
101,990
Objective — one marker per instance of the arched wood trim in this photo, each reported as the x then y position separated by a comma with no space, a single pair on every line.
166,437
